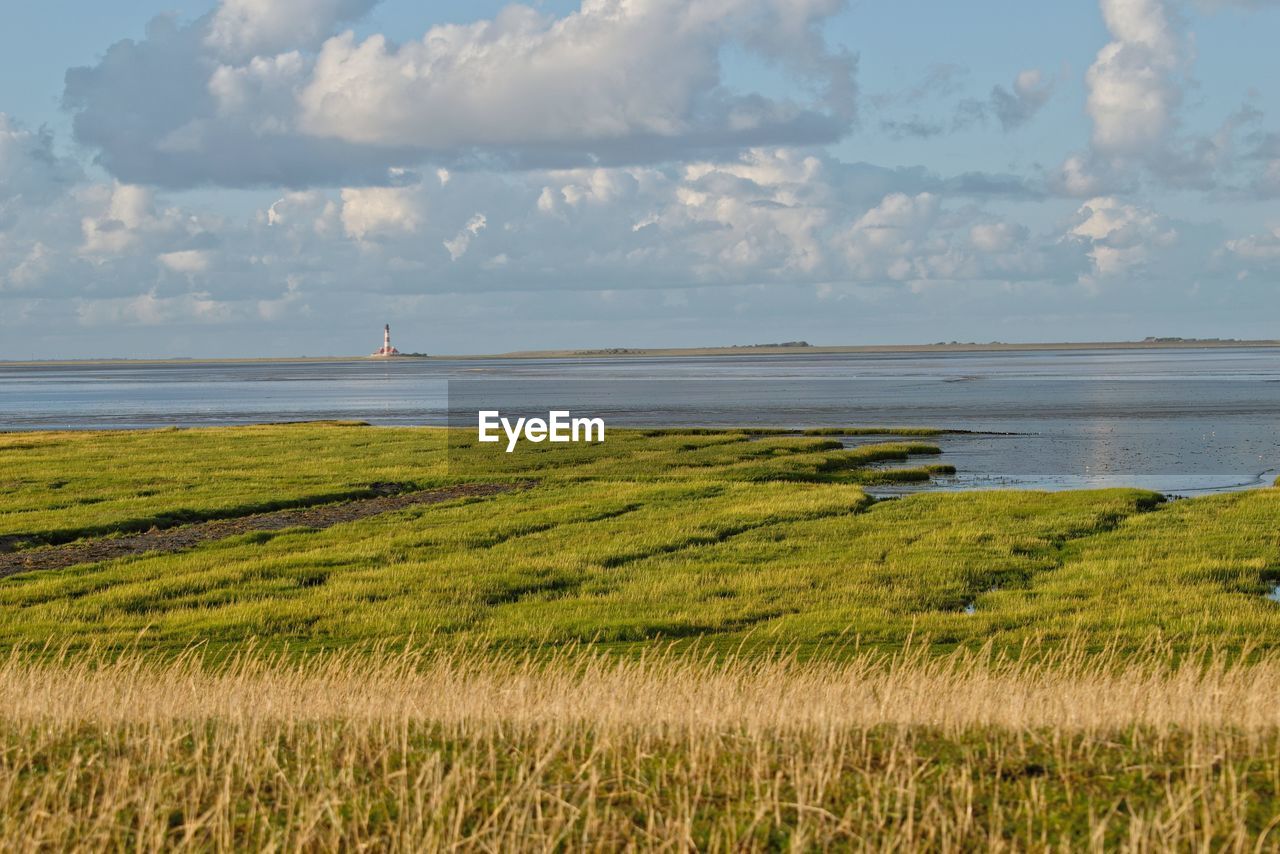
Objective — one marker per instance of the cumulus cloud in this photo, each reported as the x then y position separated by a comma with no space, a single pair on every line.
248,96
1134,84
119,226
1136,87
1121,236
786,216
249,28
884,242
167,111
104,241
611,73
372,211
769,215
606,150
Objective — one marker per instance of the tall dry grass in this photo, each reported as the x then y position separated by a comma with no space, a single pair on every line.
411,751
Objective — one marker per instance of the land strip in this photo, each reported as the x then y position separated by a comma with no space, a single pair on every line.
743,350
169,540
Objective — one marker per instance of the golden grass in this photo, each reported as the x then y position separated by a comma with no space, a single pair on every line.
1066,688
417,751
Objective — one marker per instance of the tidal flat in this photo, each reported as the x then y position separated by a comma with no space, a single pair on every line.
713,639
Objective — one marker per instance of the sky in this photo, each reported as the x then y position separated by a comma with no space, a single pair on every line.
281,177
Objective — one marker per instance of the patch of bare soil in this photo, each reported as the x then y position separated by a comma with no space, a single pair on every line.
188,536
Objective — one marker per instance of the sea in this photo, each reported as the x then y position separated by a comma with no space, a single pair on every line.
1182,421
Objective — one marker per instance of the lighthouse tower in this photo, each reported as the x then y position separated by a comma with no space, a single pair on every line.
387,349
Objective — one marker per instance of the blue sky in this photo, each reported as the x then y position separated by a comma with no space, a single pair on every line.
280,177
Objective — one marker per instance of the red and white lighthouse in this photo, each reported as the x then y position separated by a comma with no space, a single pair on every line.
387,349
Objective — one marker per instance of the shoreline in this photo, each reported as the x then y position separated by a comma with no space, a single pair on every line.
688,352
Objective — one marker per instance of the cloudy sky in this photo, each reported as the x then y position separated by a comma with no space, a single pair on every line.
281,177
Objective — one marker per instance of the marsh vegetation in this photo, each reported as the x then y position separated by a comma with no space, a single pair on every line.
678,639
723,536
413,751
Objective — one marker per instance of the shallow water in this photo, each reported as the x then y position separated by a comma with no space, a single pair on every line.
1180,421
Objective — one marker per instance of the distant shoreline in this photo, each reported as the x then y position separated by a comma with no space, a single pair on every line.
677,352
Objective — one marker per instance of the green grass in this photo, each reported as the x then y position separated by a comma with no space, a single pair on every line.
55,487
593,660
728,537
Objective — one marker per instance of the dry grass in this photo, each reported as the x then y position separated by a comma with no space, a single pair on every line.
414,751
1067,687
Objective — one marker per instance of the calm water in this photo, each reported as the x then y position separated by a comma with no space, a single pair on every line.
1179,421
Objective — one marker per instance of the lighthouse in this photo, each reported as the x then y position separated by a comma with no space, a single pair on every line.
387,349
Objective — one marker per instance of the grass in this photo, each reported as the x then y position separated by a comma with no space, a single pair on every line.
57,487
678,751
676,639
724,536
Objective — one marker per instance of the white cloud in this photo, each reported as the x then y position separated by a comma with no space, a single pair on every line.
612,70
187,260
885,241
310,210
1121,236
248,28
458,245
262,91
1136,88
607,147
128,210
1133,86
1079,177
996,236
373,211
770,215
747,216
917,239
779,218
266,93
